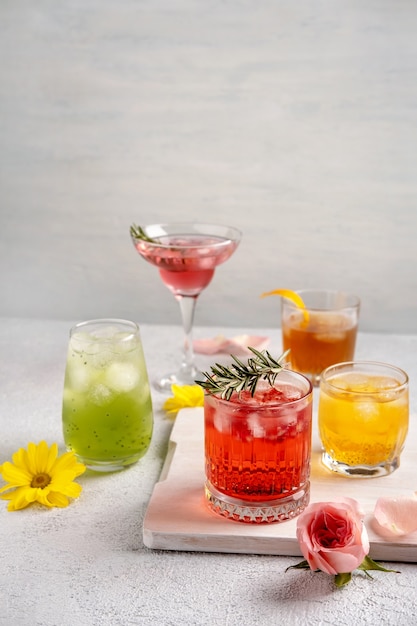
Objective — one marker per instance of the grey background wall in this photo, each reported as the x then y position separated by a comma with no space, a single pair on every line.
295,121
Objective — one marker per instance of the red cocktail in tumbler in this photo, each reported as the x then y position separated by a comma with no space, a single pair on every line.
258,449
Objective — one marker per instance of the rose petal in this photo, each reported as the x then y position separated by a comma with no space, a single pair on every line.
210,346
243,341
236,345
397,516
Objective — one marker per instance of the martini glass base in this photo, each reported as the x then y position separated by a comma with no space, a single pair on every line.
188,377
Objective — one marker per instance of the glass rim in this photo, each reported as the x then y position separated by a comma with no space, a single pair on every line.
350,367
102,321
268,405
354,303
232,230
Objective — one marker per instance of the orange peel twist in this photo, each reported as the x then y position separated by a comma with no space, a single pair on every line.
290,295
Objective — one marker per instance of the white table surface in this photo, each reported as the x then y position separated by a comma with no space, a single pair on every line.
87,565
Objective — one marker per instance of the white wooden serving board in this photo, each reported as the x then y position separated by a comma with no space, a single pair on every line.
177,517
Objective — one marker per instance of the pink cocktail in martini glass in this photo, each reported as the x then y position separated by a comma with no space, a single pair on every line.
186,255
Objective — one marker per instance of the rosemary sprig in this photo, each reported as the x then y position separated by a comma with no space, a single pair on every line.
137,232
239,376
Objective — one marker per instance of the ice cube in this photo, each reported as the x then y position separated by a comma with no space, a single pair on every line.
291,394
296,318
220,422
144,391
384,383
329,327
325,337
79,377
287,417
105,332
255,426
122,377
81,342
100,354
368,410
100,394
125,342
287,423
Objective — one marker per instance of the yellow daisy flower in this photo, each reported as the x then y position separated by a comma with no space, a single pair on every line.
184,396
39,475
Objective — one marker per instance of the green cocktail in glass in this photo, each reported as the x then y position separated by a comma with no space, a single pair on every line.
107,408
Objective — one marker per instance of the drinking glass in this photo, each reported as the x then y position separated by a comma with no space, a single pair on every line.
363,417
258,451
186,255
323,333
107,408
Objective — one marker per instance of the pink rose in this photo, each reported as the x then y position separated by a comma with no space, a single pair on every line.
332,536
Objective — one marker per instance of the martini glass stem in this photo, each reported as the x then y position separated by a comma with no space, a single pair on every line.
187,307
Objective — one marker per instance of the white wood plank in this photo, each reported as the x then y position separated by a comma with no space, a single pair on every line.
177,517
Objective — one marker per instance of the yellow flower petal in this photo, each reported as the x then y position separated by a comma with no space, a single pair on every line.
32,459
51,457
61,480
42,456
31,494
72,490
12,506
41,496
19,499
185,396
57,499
68,462
20,459
14,475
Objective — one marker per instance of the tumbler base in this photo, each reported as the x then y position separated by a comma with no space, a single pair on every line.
109,466
360,471
267,512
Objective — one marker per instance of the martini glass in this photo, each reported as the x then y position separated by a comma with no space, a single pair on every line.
186,255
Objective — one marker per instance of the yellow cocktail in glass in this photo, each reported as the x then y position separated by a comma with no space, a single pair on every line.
363,417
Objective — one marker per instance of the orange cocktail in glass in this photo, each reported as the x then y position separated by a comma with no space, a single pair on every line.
323,333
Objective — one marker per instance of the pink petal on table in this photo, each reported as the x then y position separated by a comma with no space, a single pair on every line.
210,346
397,516
236,345
241,343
